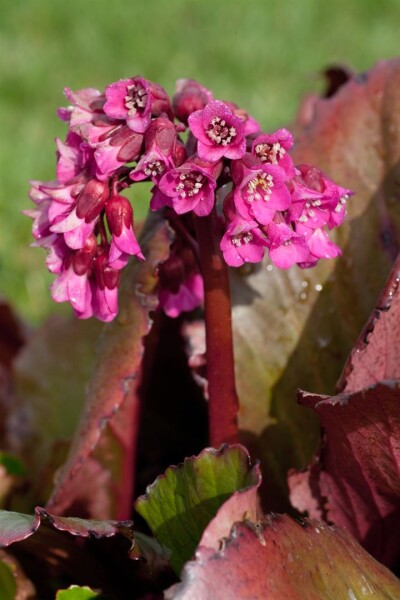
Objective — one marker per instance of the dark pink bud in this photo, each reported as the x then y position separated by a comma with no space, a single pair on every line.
82,259
119,214
161,134
180,154
92,199
106,276
190,96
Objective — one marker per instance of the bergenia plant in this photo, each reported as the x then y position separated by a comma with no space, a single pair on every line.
235,213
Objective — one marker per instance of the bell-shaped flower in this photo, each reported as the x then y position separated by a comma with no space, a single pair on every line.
189,97
119,215
286,247
243,242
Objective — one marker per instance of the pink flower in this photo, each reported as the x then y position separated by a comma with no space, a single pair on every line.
192,186
319,244
119,215
286,247
135,100
160,141
260,191
85,105
218,131
243,242
121,146
189,296
273,149
72,284
79,224
316,200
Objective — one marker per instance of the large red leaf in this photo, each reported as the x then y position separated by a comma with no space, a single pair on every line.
375,356
284,560
295,328
355,481
102,456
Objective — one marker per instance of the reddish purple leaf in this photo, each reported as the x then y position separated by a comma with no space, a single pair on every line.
375,356
280,559
355,481
15,527
105,443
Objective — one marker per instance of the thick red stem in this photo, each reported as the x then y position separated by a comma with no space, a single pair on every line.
223,400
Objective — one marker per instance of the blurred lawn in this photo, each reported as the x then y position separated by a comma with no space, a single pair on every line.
262,54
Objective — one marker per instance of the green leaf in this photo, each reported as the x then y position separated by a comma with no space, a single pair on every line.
8,586
76,592
181,503
12,464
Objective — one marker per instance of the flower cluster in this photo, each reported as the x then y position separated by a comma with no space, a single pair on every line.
133,132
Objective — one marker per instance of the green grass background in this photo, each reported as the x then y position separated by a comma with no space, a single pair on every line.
262,54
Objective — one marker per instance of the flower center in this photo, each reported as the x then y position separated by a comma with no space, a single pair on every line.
219,132
271,153
309,211
154,168
190,184
260,188
242,238
136,98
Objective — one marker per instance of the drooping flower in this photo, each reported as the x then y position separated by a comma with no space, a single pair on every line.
243,242
160,142
218,131
119,215
286,247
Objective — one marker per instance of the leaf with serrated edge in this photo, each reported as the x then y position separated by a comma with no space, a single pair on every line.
282,560
181,503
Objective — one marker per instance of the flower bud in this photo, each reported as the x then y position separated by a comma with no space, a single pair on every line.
92,199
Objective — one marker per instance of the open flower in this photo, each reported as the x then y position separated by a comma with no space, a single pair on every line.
218,131
192,186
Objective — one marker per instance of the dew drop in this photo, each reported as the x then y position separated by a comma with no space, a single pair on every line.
303,296
270,267
304,284
318,287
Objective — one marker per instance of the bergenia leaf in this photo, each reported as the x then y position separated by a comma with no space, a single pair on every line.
295,328
181,503
8,587
280,559
375,356
104,444
15,527
355,482
76,592
49,380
